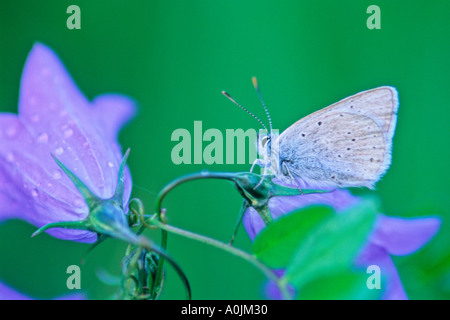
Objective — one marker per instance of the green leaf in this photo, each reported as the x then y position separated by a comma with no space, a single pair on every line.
346,285
332,247
276,244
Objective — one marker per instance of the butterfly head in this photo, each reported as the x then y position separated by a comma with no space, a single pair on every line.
265,137
267,146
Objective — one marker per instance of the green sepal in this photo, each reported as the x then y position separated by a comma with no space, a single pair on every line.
118,194
88,196
141,266
81,225
257,191
106,216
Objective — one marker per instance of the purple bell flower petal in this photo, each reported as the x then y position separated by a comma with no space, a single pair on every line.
390,236
400,236
376,255
278,206
7,293
395,236
55,118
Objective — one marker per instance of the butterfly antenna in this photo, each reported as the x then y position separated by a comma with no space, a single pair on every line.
234,101
255,84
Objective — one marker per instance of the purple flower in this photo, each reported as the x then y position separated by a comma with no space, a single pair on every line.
7,293
390,236
55,118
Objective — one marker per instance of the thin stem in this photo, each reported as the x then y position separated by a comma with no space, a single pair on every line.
233,250
158,220
160,197
194,176
156,290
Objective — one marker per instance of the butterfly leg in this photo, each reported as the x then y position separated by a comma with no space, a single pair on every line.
285,166
262,164
258,162
262,177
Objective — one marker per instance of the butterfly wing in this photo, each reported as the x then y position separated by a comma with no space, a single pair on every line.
347,144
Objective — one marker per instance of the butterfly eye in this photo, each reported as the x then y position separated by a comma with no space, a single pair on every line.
264,140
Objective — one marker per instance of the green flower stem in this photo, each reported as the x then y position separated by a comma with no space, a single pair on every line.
241,183
160,197
194,176
157,286
230,249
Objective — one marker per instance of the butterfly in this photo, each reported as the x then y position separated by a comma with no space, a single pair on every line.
347,144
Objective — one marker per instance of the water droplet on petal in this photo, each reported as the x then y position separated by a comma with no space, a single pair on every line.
35,118
10,157
78,202
110,164
68,133
34,193
59,151
43,138
57,175
11,131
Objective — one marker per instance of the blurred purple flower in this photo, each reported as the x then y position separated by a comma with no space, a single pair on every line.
7,293
390,236
56,118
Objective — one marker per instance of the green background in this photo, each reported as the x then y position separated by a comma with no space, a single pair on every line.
174,58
